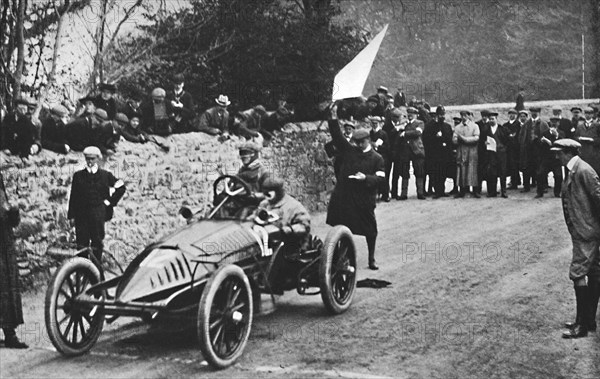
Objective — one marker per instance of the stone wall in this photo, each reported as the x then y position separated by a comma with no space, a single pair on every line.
158,184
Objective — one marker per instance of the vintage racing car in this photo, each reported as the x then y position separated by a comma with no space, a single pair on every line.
214,268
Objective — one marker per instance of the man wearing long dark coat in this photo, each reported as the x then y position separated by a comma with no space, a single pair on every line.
354,197
496,158
513,126
11,309
437,139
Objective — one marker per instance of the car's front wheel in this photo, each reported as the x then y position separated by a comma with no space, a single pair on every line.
225,316
72,329
337,271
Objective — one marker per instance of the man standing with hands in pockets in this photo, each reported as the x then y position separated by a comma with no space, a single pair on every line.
354,197
581,207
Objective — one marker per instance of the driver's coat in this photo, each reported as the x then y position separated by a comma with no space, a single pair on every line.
291,213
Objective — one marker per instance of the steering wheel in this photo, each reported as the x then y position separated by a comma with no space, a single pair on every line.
231,185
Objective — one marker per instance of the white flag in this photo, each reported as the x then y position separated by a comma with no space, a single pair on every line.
350,81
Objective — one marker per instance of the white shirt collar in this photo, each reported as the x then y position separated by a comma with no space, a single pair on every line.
367,149
93,169
572,162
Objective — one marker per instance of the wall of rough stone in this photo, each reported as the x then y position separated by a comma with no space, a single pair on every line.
158,184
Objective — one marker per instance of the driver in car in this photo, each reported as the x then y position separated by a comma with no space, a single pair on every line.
294,220
253,170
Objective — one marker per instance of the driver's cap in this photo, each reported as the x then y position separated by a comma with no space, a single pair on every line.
249,148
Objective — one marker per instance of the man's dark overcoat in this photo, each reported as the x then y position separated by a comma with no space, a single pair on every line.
353,202
11,310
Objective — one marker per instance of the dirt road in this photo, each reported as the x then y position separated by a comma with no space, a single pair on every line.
480,289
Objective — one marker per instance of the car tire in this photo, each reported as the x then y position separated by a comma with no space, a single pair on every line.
337,270
225,316
66,326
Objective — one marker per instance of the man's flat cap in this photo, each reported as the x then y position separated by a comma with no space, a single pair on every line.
565,143
373,99
412,110
92,150
495,114
554,118
382,89
121,117
349,125
524,112
513,111
396,112
361,134
59,111
588,110
484,113
576,109
375,119
535,109
101,114
468,113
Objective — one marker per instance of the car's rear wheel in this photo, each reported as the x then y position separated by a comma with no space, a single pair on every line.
337,270
225,316
73,330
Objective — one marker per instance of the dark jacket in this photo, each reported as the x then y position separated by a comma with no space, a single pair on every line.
384,148
151,124
353,201
88,191
11,310
54,135
133,135
19,134
438,149
214,118
110,106
80,133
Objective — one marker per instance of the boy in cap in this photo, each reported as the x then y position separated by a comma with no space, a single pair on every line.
156,114
563,124
54,130
513,126
182,105
19,135
215,120
581,200
353,200
91,203
588,134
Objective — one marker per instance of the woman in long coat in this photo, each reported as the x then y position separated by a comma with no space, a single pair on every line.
466,136
353,200
11,310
